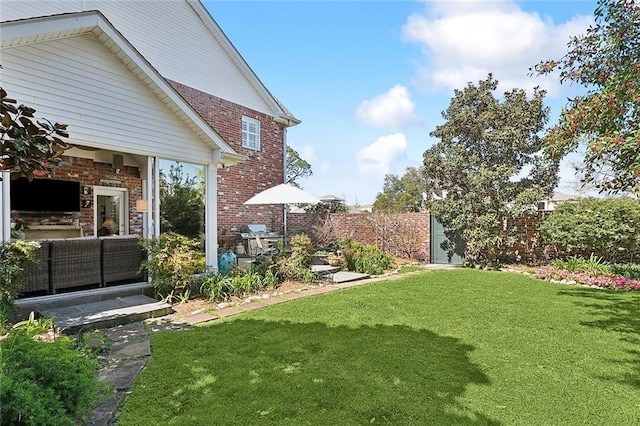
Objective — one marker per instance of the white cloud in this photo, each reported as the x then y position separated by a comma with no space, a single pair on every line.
379,158
463,41
305,151
392,109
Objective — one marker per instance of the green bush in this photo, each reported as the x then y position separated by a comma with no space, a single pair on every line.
608,228
296,265
45,383
173,262
365,258
14,257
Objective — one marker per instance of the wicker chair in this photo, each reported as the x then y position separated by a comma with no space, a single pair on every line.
37,274
75,262
121,259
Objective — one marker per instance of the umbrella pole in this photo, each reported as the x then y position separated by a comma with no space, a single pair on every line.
284,243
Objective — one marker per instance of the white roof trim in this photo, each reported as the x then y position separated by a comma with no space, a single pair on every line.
36,30
280,113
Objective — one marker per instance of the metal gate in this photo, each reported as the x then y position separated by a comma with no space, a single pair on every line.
444,250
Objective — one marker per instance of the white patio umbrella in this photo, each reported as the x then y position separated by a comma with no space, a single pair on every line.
283,194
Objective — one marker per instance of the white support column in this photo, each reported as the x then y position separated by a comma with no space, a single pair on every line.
5,206
156,198
211,215
148,193
145,215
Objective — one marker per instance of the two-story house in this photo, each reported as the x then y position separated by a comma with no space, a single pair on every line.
138,82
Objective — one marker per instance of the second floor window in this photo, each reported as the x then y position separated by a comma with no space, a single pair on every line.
250,133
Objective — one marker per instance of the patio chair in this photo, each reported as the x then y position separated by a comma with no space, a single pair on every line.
121,259
37,274
75,263
258,248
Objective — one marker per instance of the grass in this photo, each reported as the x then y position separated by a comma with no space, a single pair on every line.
443,347
405,269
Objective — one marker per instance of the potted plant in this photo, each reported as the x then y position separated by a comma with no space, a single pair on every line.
334,259
17,228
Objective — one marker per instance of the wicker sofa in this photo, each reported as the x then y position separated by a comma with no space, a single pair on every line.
85,262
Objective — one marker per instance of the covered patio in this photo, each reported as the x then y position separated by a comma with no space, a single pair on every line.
123,117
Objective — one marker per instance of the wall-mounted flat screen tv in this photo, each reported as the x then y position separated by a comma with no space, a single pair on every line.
45,195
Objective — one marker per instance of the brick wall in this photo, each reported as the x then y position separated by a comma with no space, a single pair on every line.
404,235
528,246
89,173
263,169
409,234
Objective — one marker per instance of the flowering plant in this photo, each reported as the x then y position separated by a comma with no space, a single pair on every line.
590,279
19,224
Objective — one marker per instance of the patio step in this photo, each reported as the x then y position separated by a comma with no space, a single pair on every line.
107,313
346,276
26,305
322,270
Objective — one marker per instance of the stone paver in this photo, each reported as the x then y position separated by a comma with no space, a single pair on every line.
104,414
126,332
168,326
345,276
292,296
227,312
125,350
272,301
319,290
199,318
251,306
120,374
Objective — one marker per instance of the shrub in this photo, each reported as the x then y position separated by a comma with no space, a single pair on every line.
14,257
365,258
45,383
609,228
172,264
295,266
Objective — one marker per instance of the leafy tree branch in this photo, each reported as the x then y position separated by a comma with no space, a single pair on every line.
606,61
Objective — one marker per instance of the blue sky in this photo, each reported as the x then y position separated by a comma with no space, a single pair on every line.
369,79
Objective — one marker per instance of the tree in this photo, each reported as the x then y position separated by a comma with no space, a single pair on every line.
488,164
28,147
402,193
324,207
296,167
606,60
181,203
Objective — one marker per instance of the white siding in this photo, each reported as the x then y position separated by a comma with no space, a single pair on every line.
169,34
79,82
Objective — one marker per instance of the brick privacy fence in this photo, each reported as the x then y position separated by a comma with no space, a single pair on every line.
89,173
529,246
409,234
405,235
263,169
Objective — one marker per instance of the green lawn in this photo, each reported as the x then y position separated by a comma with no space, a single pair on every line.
443,347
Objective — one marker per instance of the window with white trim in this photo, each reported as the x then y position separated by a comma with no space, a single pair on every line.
250,133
